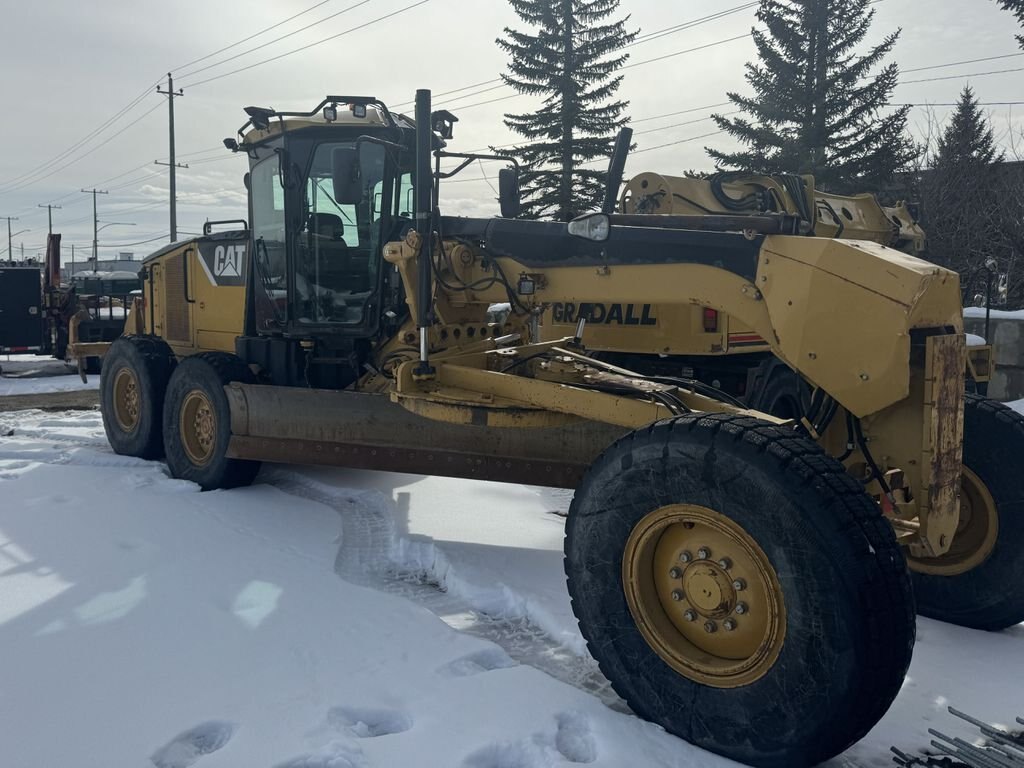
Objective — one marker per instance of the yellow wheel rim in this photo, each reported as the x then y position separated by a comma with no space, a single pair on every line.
127,399
704,595
976,533
198,427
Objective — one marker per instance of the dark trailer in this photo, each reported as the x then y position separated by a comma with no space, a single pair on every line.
21,319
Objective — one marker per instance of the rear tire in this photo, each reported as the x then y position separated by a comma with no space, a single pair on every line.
197,422
132,386
825,586
781,392
979,583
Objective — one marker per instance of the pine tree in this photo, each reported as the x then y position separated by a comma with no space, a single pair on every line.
1016,7
968,139
818,107
965,206
570,57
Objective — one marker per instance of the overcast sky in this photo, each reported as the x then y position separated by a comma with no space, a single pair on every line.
69,67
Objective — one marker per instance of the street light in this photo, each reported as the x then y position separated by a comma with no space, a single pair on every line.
10,237
95,241
112,223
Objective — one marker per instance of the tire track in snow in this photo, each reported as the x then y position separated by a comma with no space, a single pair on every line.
370,556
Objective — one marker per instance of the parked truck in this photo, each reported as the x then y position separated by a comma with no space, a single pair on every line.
42,315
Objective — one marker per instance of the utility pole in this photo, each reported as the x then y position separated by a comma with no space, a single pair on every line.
95,224
72,260
49,214
10,253
170,93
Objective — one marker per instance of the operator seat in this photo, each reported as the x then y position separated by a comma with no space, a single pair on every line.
328,231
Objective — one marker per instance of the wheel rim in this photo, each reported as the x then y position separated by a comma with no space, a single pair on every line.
704,595
198,427
976,533
127,399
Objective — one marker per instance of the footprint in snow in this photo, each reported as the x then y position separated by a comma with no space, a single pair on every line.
187,747
574,740
334,755
508,755
482,661
368,723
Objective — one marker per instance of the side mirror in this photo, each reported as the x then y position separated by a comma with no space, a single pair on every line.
508,192
616,167
348,188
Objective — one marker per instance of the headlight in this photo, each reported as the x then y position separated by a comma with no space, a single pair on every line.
591,226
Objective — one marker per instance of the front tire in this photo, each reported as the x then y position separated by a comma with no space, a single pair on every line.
132,386
738,588
979,583
197,422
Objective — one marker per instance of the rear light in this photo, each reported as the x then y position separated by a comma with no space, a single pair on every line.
710,320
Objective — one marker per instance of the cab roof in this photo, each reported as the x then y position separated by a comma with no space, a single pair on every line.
345,118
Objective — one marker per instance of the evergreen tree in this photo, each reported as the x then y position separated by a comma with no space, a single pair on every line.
968,139
818,105
570,57
1016,7
967,213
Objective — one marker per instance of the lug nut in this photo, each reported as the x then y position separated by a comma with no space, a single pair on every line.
685,557
677,595
739,585
675,573
741,608
703,553
710,626
729,625
725,563
690,615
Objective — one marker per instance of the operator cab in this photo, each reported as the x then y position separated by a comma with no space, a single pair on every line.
327,189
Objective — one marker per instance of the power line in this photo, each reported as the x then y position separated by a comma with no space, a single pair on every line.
966,61
957,104
74,160
275,40
16,183
250,37
659,33
682,112
310,45
959,77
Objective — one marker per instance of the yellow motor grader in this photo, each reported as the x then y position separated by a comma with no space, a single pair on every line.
746,581
709,345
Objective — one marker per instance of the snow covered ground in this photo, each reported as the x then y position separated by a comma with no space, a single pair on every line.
334,619
32,374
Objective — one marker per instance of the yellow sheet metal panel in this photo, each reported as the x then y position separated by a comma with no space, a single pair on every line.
842,312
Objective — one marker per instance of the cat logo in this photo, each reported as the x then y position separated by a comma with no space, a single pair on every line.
227,262
224,262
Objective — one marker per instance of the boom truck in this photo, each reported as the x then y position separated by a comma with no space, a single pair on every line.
747,581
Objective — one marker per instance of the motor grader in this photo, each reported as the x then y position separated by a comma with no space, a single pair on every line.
742,579
709,345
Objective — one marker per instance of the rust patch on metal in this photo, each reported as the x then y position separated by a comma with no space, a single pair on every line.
944,434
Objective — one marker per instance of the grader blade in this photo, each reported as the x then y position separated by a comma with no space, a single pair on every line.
368,431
